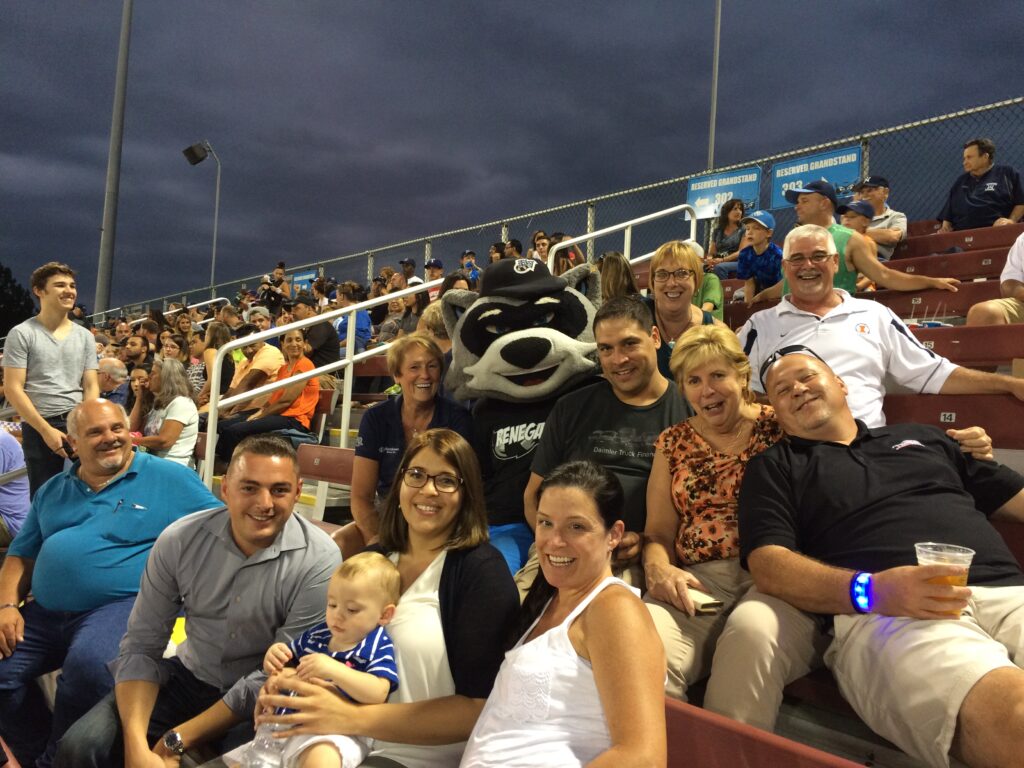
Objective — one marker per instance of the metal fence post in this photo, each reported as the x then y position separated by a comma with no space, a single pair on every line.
865,158
369,267
504,231
591,226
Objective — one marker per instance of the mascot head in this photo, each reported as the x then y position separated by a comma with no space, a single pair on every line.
526,336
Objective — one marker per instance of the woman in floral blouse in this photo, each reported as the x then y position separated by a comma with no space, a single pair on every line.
693,496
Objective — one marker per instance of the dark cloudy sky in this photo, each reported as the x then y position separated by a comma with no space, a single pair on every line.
345,125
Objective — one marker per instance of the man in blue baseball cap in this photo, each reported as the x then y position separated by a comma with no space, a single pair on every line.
760,262
887,227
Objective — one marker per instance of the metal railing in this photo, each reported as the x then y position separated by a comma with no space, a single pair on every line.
216,300
921,158
346,364
627,228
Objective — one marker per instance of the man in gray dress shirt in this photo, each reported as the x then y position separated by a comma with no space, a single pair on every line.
244,577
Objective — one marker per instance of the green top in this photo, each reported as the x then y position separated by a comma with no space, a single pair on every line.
710,291
845,278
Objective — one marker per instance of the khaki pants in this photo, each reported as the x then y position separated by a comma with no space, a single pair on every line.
766,644
690,640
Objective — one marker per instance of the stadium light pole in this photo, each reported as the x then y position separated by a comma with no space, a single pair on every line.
104,267
195,155
714,84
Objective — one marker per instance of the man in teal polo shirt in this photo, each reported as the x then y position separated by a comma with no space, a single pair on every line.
81,552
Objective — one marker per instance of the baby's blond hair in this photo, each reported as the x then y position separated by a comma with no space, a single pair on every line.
375,566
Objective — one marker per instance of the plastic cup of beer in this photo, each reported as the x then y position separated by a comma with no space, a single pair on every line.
933,553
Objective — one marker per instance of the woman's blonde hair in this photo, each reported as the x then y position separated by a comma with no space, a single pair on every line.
401,347
704,343
685,255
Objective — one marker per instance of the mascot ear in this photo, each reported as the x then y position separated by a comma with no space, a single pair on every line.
453,304
585,280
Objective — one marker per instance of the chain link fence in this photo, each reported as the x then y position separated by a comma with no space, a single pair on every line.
921,159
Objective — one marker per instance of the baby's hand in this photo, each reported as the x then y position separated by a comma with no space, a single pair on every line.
317,665
277,656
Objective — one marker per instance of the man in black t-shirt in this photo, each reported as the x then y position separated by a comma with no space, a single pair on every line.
828,521
616,420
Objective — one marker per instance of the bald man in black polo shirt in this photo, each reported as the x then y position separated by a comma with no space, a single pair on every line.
828,520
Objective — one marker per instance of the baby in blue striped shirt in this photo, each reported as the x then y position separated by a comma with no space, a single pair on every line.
351,650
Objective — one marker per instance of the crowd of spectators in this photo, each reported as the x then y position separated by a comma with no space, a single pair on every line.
686,417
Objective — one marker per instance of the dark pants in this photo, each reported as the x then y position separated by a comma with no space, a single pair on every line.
42,462
96,740
80,644
231,432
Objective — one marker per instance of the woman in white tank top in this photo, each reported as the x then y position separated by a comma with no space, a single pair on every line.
584,685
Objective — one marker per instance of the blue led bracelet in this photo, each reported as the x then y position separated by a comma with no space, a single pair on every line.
860,592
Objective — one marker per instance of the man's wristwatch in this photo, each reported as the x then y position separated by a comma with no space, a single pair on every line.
173,743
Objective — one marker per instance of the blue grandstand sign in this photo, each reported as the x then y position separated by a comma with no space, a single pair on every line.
707,193
303,281
839,167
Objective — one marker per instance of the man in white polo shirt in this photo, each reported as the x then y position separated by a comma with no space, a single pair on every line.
861,340
1009,308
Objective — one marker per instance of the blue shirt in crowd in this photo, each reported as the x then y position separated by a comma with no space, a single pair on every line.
364,329
90,547
14,494
382,439
977,201
765,268
374,654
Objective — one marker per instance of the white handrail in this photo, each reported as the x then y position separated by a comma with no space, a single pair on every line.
628,227
346,364
190,307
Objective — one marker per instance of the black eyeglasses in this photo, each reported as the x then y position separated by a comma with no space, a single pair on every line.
818,257
443,482
662,275
780,353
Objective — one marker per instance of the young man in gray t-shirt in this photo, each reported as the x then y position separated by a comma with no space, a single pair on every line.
49,367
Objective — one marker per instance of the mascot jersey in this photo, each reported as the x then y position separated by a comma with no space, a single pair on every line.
519,345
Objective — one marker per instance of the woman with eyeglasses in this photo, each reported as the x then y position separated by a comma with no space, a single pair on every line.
457,607
676,275
164,419
415,362
175,347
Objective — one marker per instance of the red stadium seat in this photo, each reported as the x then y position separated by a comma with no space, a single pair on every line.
979,347
922,305
729,287
642,273
697,737
985,262
923,227
967,239
1000,415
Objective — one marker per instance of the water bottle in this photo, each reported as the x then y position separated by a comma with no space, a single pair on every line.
266,751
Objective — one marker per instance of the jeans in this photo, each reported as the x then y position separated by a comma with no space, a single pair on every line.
80,644
513,541
726,270
96,739
231,432
42,463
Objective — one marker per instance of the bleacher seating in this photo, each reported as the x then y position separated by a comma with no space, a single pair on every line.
965,239
697,737
974,347
968,265
325,464
1000,415
923,227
